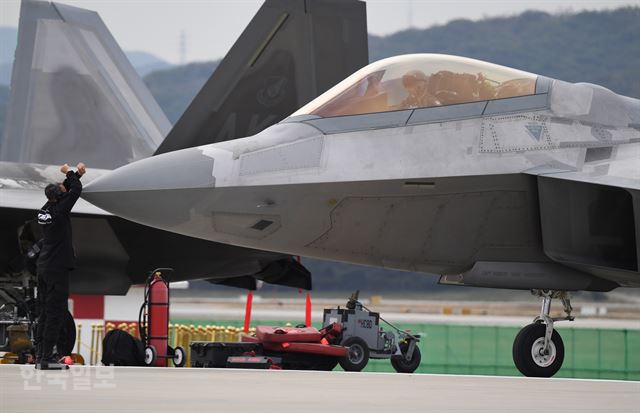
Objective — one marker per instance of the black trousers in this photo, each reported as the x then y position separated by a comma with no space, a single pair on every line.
53,295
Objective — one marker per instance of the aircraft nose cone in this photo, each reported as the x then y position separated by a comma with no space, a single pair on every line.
155,191
187,168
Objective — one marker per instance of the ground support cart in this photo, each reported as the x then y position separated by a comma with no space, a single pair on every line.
300,348
365,338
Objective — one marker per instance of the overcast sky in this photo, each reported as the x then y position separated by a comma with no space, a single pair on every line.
212,26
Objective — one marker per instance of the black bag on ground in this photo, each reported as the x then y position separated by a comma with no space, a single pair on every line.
120,348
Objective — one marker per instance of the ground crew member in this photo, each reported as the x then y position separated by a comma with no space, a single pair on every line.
54,263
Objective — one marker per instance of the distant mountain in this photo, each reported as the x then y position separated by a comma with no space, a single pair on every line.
8,39
175,88
146,63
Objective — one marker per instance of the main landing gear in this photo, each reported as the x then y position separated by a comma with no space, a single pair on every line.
538,350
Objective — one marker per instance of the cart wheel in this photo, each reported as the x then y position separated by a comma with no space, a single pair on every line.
150,355
402,365
179,357
358,355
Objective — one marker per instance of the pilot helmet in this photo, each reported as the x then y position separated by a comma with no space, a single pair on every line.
413,78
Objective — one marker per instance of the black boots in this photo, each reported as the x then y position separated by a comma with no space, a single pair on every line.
46,360
51,363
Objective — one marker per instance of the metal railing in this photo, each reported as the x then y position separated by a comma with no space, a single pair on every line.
179,335
450,349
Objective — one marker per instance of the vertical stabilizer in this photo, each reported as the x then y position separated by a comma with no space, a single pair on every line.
291,51
74,95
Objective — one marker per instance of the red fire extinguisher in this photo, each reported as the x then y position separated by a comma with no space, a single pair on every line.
153,322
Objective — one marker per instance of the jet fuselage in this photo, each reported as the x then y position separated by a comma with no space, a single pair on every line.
451,189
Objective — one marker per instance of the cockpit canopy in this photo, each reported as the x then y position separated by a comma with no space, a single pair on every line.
419,81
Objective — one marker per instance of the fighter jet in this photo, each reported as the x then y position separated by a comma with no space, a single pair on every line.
486,175
75,96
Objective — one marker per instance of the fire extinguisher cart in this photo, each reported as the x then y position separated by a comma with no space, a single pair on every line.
153,322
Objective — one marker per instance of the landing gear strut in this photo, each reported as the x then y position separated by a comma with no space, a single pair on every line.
538,350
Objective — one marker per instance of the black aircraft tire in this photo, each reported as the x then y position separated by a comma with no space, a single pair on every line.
358,355
67,337
527,354
403,366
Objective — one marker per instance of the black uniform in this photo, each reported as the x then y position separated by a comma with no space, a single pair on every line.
54,263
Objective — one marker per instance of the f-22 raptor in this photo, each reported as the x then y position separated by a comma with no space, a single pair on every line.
75,96
486,175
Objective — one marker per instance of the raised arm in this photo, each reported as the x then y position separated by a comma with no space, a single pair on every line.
74,187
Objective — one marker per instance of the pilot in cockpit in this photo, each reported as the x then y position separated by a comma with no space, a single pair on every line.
415,83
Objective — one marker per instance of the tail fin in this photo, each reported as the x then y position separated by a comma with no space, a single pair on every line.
290,52
74,94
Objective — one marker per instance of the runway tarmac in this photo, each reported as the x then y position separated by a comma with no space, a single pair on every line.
133,389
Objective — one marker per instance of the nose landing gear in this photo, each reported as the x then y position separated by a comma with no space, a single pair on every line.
538,350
